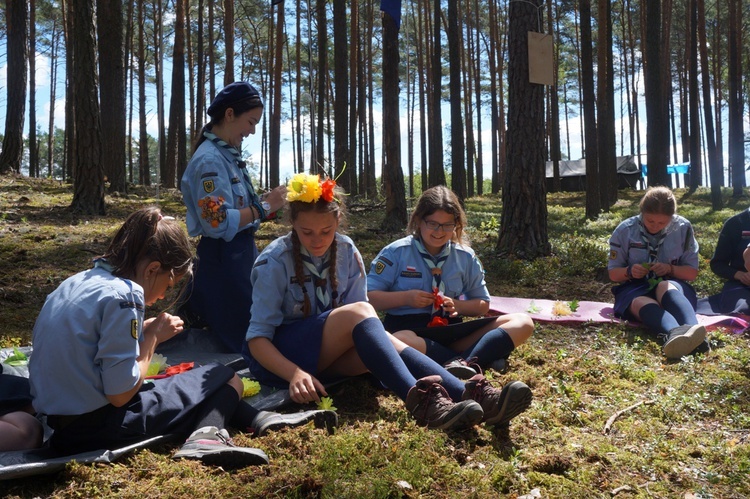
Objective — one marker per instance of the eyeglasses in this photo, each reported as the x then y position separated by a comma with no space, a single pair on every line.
434,226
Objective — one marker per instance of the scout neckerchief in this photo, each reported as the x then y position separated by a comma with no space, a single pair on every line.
254,199
435,263
320,279
653,248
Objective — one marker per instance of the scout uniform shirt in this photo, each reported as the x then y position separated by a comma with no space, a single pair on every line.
627,247
400,267
278,299
90,327
214,191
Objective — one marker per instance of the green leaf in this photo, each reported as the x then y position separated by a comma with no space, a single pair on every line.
533,308
573,305
326,404
17,359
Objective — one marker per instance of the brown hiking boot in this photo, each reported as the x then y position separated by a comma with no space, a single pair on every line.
431,406
500,406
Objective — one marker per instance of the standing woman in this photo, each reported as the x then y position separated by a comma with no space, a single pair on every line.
407,276
311,323
224,209
653,256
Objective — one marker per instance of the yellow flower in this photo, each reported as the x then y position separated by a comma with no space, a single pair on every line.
304,187
250,387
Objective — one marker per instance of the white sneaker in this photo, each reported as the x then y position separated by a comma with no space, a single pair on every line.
211,445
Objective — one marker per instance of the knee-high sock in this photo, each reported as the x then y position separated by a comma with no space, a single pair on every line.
218,409
421,365
243,416
380,357
495,344
439,353
679,306
657,320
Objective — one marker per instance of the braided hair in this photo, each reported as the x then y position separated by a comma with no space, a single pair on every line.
338,209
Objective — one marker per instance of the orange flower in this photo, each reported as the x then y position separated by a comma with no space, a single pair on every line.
327,187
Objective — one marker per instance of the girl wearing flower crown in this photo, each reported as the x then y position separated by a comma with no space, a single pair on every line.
224,209
432,277
311,324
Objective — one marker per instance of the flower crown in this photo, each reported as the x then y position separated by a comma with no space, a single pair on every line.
310,188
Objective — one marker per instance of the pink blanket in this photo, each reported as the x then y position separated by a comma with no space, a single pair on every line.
592,311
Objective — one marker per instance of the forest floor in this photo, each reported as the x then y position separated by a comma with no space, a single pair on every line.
690,437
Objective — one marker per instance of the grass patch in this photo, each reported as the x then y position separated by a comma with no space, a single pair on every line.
694,437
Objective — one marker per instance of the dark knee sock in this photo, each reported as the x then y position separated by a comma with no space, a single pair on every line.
243,416
657,320
495,344
218,409
439,353
421,365
679,306
380,357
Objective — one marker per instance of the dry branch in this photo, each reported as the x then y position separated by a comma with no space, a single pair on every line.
619,413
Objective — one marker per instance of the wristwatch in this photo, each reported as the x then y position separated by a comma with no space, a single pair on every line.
266,208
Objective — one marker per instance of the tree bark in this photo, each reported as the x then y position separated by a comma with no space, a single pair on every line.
88,185
176,140
591,147
523,229
458,166
12,152
656,157
393,176
112,91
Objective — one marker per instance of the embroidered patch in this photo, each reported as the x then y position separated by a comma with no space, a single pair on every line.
637,245
134,328
208,186
411,268
212,210
294,280
132,304
612,254
379,267
385,260
411,275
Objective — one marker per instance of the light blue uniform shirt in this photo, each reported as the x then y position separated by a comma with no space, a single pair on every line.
86,343
400,267
212,173
278,299
626,246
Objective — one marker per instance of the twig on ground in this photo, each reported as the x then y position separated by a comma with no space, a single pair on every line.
619,413
621,489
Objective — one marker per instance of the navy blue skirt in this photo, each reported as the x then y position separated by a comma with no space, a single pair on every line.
298,341
733,299
627,292
165,406
222,292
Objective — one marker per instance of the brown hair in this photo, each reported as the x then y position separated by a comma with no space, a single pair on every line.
439,198
321,206
147,235
659,201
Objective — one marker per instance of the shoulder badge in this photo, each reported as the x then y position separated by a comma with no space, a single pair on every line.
134,329
379,267
612,254
208,186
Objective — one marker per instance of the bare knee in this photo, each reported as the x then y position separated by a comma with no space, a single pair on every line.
20,430
519,327
410,338
236,383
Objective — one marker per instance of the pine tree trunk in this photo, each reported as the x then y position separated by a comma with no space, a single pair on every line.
523,229
12,150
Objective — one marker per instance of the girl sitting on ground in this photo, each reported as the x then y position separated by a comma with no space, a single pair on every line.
652,256
311,324
435,263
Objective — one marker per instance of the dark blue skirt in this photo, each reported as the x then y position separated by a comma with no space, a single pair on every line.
163,407
627,292
222,292
298,341
733,299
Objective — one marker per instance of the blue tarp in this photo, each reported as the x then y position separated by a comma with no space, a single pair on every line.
682,168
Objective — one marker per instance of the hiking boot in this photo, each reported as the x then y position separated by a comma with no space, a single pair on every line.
211,445
462,369
682,340
500,406
272,421
499,365
431,406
